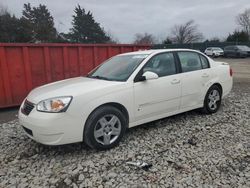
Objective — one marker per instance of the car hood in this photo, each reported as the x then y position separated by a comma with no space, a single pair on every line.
70,87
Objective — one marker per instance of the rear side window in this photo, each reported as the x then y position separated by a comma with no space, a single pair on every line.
204,62
190,61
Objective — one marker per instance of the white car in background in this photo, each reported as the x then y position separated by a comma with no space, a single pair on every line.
214,52
125,91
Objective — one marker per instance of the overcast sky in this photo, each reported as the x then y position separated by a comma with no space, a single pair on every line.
123,19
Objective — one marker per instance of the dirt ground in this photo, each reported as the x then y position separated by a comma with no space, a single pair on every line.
241,74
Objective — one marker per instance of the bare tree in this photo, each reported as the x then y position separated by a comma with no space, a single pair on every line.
243,20
186,33
144,39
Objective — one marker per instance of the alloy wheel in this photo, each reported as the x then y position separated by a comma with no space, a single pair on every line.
213,99
107,129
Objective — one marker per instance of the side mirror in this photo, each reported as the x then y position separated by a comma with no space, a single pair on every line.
148,75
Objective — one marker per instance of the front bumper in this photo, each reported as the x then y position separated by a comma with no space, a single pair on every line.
52,128
219,54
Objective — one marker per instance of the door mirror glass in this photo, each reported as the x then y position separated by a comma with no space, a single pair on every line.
148,75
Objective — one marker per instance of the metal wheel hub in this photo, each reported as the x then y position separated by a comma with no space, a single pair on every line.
107,129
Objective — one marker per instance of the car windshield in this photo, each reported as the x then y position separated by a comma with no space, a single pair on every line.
243,48
117,68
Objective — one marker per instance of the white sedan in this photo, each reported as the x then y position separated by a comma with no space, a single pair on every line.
125,91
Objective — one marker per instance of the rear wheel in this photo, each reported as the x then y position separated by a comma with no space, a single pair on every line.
212,100
104,128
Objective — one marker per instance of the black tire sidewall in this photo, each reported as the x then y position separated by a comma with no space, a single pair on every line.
88,135
206,107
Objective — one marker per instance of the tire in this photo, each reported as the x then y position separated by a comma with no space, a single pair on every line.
212,100
100,132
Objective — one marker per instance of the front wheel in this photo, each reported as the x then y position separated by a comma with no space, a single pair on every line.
104,128
212,100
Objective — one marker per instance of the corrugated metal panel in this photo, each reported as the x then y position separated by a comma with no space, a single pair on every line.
26,66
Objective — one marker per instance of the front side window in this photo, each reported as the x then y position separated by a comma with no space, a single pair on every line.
190,61
118,68
161,64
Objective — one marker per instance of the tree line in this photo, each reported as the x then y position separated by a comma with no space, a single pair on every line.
189,33
36,25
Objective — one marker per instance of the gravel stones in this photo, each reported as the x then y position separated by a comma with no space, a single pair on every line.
186,150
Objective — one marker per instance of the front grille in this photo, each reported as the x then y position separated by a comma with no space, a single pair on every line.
28,131
27,107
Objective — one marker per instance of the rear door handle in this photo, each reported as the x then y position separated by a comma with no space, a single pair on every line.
205,75
175,81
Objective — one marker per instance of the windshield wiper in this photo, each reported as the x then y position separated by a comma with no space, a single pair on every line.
99,77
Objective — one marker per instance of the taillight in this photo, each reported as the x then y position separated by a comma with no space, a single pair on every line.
231,72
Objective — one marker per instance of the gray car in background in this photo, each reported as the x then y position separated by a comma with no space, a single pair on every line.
237,51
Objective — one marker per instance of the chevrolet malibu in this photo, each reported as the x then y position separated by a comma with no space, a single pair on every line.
125,91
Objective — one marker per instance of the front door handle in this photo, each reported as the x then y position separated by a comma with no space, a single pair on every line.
205,75
175,81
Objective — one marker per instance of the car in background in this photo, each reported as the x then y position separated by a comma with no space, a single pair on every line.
237,51
214,52
125,91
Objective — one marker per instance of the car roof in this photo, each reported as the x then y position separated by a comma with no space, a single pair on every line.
155,51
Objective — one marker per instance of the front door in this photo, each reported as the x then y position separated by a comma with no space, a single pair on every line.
158,96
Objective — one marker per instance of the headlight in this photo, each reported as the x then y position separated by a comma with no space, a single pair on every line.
57,104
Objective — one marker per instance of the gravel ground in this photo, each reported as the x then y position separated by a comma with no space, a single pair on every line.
186,150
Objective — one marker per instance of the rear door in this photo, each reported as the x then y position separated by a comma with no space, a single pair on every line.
194,78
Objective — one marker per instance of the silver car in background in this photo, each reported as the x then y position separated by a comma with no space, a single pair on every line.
214,52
